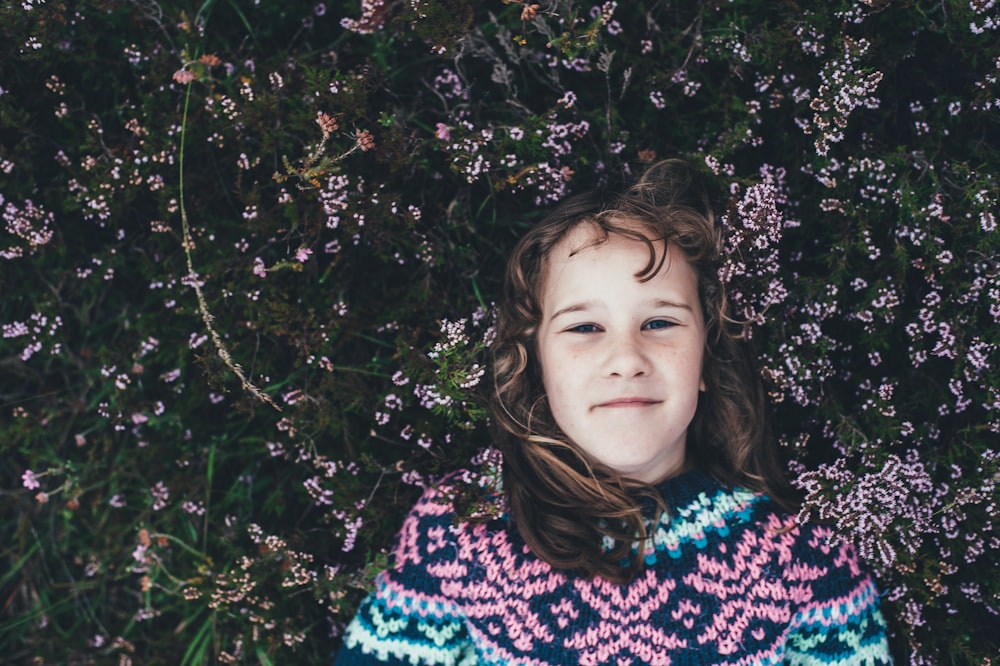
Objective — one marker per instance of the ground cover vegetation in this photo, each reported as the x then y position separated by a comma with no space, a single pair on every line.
249,251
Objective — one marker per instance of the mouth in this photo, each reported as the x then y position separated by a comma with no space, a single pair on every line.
628,402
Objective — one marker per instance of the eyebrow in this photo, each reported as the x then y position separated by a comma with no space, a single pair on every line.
575,307
585,305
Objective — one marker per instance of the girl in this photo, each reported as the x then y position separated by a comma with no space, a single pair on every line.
646,519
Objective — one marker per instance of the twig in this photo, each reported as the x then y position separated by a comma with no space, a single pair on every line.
206,315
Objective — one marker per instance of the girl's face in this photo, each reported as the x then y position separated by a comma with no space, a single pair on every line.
621,359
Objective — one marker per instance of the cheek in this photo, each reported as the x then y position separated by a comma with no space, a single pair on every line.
564,410
551,363
553,381
559,382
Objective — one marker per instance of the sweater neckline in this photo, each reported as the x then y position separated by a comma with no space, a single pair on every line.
686,487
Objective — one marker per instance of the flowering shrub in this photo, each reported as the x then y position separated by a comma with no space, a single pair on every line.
249,251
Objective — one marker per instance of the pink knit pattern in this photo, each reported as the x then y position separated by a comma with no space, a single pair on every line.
730,579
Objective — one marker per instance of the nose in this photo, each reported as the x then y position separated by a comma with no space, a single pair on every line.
627,357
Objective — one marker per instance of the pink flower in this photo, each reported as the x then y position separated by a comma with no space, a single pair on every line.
30,480
443,132
327,123
366,141
258,267
183,76
302,254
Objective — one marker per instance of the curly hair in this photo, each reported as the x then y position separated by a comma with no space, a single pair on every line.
566,506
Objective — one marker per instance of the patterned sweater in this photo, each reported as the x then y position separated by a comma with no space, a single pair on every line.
724,583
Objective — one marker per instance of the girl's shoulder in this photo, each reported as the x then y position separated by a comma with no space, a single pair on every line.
459,506
701,505
716,528
460,496
813,554
804,540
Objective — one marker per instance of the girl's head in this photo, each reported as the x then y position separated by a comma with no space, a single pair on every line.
615,368
619,346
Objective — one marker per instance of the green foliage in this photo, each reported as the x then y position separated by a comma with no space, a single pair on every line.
349,184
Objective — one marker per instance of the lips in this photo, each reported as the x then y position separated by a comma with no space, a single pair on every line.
629,402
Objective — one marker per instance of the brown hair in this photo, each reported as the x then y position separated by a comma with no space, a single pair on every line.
565,505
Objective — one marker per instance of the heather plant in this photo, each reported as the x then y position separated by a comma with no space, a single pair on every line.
249,253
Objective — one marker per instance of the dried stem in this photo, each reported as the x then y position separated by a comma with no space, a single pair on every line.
206,316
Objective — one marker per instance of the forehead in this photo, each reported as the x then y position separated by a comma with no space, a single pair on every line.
588,232
582,244
587,257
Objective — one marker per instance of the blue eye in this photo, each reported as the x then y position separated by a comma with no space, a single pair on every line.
583,328
658,324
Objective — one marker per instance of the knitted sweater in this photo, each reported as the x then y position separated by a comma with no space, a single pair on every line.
725,582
